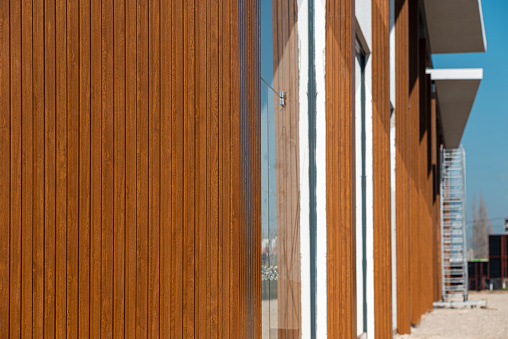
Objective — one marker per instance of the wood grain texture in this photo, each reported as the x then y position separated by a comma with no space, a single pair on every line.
5,170
119,167
381,169
402,164
49,169
26,167
84,169
130,168
414,167
340,153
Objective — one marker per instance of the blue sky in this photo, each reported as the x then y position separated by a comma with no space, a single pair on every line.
485,138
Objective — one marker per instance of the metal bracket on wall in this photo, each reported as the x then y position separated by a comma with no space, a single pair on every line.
282,95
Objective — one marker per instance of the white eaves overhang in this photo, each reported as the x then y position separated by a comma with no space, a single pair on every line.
456,91
455,26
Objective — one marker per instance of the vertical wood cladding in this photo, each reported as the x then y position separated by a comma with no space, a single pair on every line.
381,168
414,166
402,164
425,219
340,160
129,168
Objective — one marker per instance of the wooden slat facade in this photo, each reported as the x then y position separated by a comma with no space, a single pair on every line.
402,164
381,168
340,168
129,168
130,176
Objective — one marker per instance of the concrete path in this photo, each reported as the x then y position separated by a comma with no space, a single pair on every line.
467,323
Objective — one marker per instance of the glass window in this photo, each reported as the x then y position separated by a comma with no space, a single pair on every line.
280,226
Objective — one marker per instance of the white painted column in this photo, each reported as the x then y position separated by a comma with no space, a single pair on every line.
319,57
303,125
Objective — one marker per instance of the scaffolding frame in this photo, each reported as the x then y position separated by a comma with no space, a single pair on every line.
454,273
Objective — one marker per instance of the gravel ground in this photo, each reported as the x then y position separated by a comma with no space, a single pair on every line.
490,322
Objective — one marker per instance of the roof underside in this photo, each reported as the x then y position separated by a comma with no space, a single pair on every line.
455,26
456,90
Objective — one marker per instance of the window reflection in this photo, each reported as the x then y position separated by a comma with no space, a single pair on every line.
280,238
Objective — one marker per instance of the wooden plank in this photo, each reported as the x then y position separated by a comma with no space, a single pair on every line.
15,212
84,168
381,169
130,170
142,170
402,165
210,71
107,173
177,98
226,169
26,167
213,170
61,170
154,72
95,170
340,169
166,173
119,160
414,121
5,167
38,148
235,272
73,96
200,174
249,173
49,170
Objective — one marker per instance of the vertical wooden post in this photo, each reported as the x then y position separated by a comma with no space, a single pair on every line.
340,168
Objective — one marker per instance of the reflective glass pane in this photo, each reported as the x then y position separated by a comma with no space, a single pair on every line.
280,238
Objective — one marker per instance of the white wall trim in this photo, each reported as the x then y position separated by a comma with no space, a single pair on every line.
303,61
319,57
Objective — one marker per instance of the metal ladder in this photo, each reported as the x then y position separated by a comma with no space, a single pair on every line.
454,281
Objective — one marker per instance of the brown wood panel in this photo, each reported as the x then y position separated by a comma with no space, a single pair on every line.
142,170
414,139
107,168
177,96
201,163
402,164
213,169
26,167
73,99
95,170
425,241
38,170
189,167
340,155
61,169
154,169
15,197
133,159
225,187
84,169
381,169
49,170
5,167
248,156
130,168
119,170
166,174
